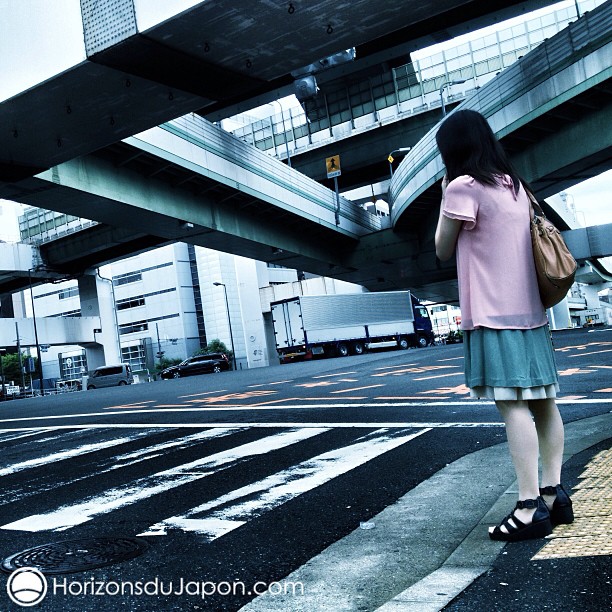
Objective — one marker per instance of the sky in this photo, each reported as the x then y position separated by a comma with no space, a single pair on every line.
593,199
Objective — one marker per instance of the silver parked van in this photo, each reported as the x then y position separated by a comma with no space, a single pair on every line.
110,376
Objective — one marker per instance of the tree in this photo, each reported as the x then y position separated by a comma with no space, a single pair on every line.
164,363
215,346
10,366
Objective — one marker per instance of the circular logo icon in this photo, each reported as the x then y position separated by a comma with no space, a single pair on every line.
26,586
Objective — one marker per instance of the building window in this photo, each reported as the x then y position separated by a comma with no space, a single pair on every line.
64,294
72,366
131,328
136,275
134,356
133,302
69,313
125,279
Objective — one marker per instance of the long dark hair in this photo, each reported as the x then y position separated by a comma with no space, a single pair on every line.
469,146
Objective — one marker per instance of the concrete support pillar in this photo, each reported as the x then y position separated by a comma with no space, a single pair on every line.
96,299
559,315
591,295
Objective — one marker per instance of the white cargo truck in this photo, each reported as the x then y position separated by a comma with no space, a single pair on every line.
337,325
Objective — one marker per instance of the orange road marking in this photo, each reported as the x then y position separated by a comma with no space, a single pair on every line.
277,401
232,396
323,383
417,370
458,390
582,347
331,375
572,397
410,397
327,399
206,393
592,353
403,365
279,382
572,371
130,406
440,376
134,404
358,388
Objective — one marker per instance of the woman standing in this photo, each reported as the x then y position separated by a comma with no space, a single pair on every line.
508,351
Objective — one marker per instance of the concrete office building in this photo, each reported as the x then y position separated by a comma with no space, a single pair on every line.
165,301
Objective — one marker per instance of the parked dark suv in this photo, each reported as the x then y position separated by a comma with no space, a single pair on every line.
200,364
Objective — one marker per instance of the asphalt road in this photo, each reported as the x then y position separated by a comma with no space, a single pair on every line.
234,480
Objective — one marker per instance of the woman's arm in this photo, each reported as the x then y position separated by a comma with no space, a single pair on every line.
447,231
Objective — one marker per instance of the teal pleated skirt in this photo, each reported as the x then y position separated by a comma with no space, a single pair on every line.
510,364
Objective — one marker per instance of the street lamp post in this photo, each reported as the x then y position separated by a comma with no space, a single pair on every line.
38,351
2,352
390,158
229,321
446,84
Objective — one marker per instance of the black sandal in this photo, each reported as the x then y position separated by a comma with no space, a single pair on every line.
539,527
561,513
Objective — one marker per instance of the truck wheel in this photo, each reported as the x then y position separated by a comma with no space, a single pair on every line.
421,341
403,343
357,348
343,350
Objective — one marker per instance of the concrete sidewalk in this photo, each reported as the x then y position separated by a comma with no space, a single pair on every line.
422,552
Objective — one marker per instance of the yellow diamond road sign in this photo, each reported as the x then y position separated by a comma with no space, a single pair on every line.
332,164
390,158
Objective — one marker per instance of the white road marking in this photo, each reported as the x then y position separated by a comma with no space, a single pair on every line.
70,515
239,408
24,489
8,438
68,454
272,425
255,499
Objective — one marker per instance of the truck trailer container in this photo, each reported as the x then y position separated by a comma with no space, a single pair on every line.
338,325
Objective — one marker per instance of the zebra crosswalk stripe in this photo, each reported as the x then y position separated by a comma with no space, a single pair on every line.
70,515
251,501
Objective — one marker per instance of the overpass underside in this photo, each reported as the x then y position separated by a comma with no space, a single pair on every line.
552,110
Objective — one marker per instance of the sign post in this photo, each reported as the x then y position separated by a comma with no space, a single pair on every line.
332,165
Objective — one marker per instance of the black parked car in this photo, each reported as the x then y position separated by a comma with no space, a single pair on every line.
200,364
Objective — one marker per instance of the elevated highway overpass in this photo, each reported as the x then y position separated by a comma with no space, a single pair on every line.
153,193
552,110
79,76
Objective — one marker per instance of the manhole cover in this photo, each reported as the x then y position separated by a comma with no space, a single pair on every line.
76,555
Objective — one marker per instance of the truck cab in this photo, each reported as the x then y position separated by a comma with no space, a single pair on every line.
422,324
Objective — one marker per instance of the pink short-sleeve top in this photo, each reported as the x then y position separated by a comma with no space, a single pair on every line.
497,279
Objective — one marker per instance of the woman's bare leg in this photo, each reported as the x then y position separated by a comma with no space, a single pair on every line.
549,426
523,444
